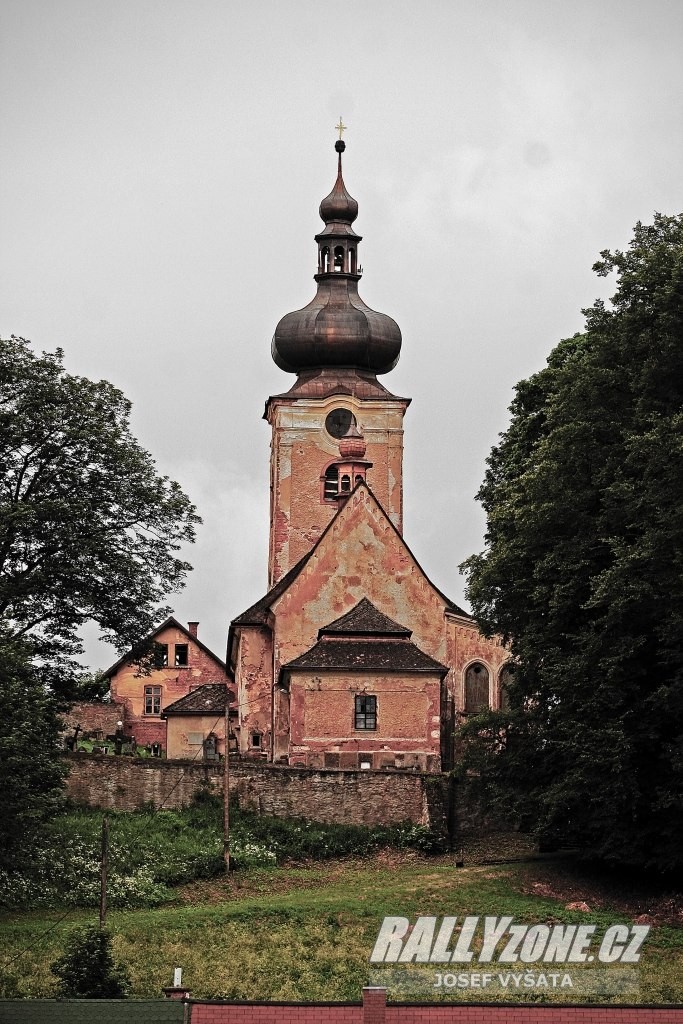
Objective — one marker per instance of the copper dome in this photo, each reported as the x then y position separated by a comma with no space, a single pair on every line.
337,328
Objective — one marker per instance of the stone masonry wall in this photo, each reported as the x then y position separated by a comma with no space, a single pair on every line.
343,797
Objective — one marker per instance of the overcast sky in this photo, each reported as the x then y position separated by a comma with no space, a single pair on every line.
163,162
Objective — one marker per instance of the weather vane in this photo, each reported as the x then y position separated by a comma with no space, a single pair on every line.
341,127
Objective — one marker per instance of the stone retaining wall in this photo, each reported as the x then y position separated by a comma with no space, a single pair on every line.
328,795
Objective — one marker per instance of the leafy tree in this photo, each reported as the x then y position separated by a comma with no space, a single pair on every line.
88,529
583,574
32,771
87,969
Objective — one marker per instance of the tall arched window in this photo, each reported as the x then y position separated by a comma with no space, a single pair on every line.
338,259
325,259
476,688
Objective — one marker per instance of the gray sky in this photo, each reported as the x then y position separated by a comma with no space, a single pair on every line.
163,162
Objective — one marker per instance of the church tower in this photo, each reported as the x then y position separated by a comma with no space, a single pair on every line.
337,424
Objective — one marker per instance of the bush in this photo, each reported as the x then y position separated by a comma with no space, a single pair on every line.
87,969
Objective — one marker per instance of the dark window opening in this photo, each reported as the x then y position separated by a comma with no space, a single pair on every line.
359,478
180,655
345,483
160,655
152,700
365,711
338,259
256,739
338,421
325,260
331,485
476,689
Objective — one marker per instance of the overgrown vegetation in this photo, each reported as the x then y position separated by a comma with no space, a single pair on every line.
306,932
151,852
581,574
87,969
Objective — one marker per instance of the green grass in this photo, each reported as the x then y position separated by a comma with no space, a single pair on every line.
306,932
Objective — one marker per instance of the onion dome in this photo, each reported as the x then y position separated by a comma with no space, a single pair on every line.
352,445
337,329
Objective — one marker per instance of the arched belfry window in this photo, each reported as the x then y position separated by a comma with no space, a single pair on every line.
331,483
324,265
352,261
338,259
476,689
504,679
345,484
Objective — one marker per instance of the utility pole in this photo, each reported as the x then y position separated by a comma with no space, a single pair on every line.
104,858
226,787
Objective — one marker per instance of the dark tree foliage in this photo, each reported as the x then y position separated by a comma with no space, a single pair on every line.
88,529
32,772
87,969
583,574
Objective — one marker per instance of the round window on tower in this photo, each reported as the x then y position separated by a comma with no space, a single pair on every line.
338,422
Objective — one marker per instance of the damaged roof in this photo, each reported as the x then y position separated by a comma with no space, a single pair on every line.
204,700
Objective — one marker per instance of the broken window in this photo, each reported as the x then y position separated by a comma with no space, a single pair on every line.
365,711
152,700
160,655
476,689
180,655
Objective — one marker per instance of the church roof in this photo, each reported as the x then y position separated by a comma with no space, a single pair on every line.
367,655
365,620
204,700
337,329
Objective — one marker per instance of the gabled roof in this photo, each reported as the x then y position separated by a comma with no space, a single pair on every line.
367,640
364,620
204,700
173,622
367,656
257,614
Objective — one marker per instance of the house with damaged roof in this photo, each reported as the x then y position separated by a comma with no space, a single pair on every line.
353,658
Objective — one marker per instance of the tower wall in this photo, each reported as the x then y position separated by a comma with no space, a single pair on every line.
301,451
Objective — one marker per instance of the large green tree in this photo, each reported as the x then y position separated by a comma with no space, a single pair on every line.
88,528
582,574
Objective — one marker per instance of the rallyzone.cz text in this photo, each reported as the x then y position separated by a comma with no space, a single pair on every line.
429,941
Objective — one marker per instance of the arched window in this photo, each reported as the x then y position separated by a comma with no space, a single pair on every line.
331,484
476,688
504,679
352,261
359,479
338,258
325,259
345,483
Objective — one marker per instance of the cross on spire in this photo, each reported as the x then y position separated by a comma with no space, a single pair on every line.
341,127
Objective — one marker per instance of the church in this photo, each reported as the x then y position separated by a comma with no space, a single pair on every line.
353,658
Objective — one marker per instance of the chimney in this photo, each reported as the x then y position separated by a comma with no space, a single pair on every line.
192,628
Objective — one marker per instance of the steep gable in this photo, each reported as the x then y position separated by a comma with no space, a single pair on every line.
360,555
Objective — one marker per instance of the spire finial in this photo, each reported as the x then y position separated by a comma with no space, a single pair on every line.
341,127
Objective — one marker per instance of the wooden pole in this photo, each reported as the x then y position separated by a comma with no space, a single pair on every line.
104,858
226,788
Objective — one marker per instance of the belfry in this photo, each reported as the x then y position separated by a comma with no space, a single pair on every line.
353,659
337,346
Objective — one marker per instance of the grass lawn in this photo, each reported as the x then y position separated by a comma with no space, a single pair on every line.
306,933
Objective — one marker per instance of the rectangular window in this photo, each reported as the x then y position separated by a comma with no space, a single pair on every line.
180,655
365,711
152,700
160,655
